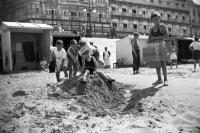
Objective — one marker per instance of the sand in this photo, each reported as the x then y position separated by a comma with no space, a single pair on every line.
32,102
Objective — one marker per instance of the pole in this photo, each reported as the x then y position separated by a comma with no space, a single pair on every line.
90,24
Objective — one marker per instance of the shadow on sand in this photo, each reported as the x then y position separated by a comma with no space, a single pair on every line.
138,94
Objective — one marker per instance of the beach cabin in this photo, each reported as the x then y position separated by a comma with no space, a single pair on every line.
24,44
124,49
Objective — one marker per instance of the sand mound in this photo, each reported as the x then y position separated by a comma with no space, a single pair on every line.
98,96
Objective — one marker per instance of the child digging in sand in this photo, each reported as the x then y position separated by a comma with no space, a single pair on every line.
89,65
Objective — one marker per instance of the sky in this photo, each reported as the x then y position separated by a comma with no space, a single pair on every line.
196,1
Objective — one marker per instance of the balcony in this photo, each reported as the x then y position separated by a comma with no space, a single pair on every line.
155,4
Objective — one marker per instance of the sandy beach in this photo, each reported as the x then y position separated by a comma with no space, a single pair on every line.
28,107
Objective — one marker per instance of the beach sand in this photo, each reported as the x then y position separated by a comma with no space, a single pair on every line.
27,108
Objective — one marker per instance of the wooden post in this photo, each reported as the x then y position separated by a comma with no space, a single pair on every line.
48,40
6,51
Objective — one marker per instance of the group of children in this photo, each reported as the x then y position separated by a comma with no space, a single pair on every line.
78,57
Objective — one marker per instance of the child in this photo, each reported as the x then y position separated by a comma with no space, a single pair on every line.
59,54
72,55
44,65
173,55
89,65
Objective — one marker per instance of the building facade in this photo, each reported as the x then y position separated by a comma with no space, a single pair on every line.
181,17
71,15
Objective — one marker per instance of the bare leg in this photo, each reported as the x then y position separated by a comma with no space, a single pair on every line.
58,76
164,69
195,65
85,75
158,71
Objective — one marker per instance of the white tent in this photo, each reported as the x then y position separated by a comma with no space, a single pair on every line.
124,48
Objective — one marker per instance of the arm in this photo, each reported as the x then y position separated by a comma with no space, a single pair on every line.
133,49
71,55
95,63
158,38
191,47
83,64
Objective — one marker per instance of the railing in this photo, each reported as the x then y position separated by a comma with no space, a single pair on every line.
171,6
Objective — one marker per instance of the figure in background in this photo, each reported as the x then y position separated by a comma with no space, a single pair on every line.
106,58
173,55
59,54
72,55
195,48
157,34
135,53
44,65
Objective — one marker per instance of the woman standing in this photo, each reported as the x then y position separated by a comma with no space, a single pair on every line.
157,35
195,48
135,53
106,58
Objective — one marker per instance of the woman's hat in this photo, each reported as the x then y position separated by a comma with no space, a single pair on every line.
155,14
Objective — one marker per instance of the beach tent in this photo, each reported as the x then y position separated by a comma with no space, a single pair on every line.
124,48
24,44
184,54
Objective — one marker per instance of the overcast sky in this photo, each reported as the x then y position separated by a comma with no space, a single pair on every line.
196,1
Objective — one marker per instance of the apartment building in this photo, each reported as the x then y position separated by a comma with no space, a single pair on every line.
181,17
71,15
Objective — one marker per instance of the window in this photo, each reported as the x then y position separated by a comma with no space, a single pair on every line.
177,4
37,10
73,13
125,26
100,15
193,12
159,1
184,31
168,3
168,16
151,0
124,10
133,11
134,26
183,5
161,14
183,18
115,25
113,9
52,12
144,12
145,27
169,29
176,16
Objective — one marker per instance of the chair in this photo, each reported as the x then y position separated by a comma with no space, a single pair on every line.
119,63
115,65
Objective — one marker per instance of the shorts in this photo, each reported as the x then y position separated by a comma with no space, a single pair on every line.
196,55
